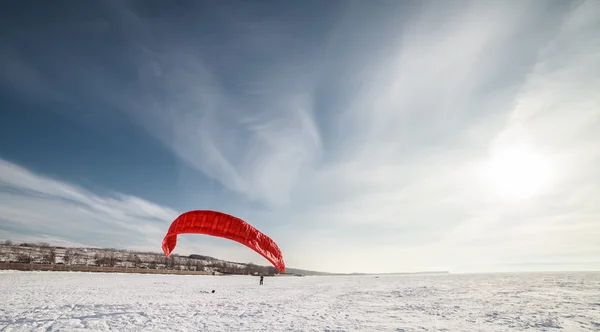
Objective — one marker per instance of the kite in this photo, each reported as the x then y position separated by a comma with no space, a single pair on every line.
225,226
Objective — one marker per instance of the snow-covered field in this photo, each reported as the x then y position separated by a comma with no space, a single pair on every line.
70,301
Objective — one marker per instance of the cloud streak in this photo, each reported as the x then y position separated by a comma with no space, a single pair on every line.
40,206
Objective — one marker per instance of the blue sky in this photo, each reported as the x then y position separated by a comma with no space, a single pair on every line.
380,136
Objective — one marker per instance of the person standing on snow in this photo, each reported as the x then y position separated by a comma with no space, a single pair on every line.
261,280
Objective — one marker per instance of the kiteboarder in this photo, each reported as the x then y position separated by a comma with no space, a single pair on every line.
261,279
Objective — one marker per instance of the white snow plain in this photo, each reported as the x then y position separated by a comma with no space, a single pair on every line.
73,301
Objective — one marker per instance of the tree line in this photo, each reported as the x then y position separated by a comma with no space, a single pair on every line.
44,253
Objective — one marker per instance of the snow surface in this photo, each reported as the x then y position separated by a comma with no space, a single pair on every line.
74,301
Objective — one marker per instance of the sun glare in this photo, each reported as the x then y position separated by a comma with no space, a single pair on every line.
518,173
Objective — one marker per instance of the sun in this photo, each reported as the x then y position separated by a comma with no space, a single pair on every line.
518,172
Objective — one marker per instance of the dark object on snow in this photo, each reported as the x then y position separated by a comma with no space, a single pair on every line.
261,279
213,290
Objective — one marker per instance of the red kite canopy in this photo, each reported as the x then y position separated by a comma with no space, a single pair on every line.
226,226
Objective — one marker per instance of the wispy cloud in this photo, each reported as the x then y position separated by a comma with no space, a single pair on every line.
370,143
256,140
35,205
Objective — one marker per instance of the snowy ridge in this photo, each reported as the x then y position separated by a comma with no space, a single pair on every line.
43,253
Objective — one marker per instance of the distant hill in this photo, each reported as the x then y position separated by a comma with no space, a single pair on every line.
44,253
404,273
316,273
308,272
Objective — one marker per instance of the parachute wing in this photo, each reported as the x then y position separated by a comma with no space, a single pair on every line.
226,226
